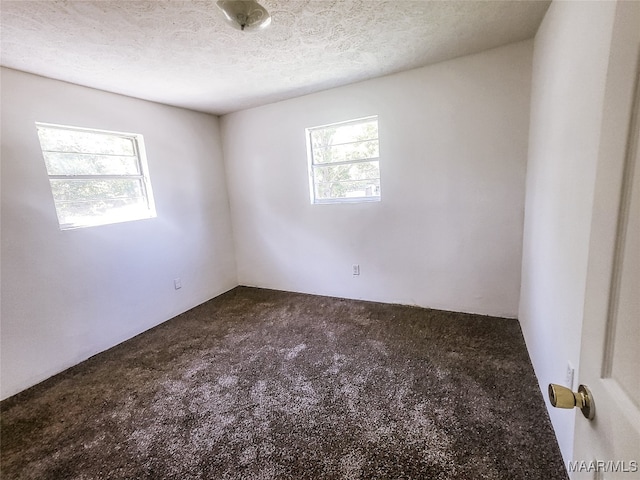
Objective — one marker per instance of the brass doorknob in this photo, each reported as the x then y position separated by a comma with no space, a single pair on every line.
563,397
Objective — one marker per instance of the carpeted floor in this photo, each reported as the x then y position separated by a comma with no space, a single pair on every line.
260,384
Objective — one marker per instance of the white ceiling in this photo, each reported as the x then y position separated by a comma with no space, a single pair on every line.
183,53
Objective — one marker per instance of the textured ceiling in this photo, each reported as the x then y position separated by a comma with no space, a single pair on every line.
183,53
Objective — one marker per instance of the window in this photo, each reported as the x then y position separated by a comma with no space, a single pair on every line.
344,163
96,177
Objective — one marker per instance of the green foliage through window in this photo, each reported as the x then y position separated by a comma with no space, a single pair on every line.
96,177
344,161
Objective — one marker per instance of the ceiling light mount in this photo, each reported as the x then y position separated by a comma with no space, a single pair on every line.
245,15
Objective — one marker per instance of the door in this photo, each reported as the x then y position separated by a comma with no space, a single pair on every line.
608,447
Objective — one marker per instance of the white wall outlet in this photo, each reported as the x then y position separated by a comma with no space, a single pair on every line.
177,283
568,380
355,269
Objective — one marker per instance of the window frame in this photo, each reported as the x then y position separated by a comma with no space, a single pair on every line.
139,153
312,165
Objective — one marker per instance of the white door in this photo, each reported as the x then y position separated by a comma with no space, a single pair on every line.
608,447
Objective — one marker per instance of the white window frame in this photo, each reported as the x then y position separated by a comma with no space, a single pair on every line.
312,165
137,141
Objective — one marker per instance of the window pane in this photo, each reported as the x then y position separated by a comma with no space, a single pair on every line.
96,202
348,189
344,181
354,171
71,190
345,133
68,140
96,213
345,152
86,164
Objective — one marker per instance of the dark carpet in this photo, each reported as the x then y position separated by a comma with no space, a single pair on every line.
260,384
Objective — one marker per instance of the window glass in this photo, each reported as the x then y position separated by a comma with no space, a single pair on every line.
96,177
344,163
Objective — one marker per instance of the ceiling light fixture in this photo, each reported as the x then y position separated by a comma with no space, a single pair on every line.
245,15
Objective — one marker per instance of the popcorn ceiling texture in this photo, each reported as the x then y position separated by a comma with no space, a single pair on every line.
182,53
260,384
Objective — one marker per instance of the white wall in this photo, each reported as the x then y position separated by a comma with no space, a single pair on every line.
569,72
448,231
67,295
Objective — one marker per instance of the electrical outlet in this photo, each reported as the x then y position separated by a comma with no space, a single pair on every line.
356,269
177,284
568,379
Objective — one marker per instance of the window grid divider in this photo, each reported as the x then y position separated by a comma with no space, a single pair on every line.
347,162
344,143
